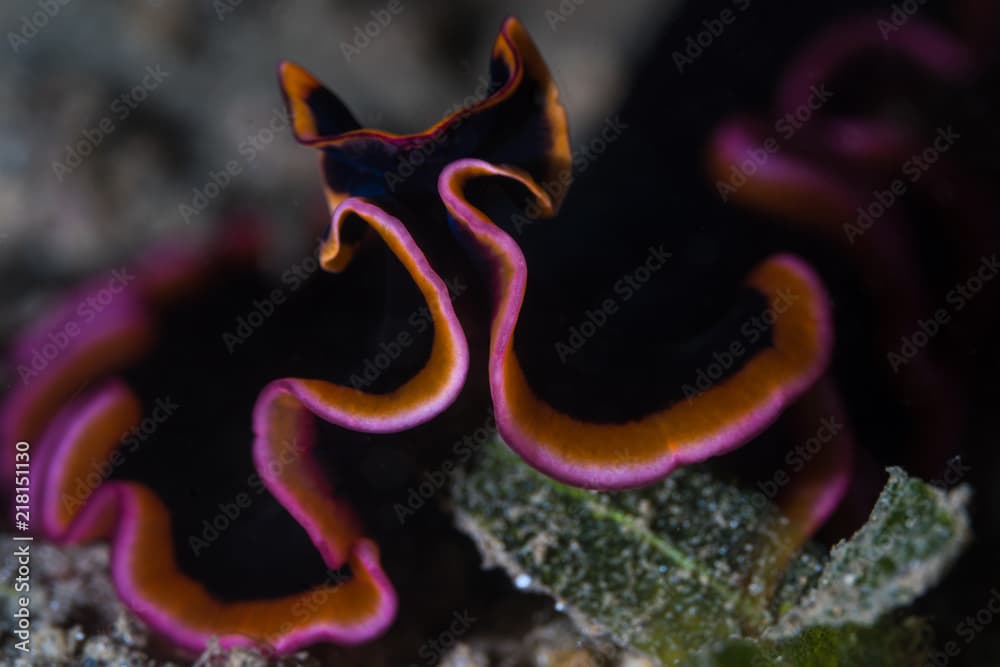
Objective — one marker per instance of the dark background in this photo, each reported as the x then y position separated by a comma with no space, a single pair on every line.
649,187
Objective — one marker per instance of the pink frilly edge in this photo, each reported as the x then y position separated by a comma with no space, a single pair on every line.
508,300
926,45
120,497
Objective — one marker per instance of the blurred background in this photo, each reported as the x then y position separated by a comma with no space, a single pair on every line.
119,117
160,93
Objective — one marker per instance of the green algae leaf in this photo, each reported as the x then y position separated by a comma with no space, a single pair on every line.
694,569
913,535
665,570
890,642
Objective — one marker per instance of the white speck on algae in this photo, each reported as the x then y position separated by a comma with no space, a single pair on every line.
682,565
